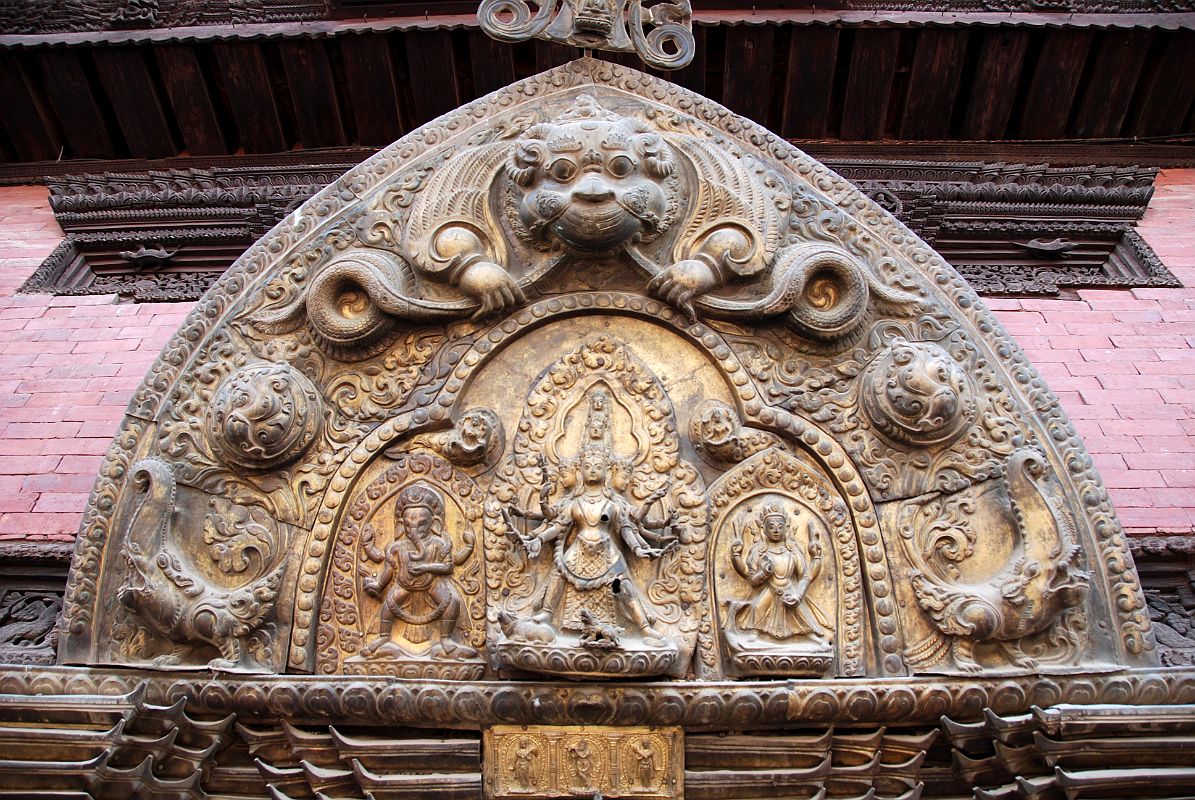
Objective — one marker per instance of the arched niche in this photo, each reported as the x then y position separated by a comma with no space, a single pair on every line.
594,310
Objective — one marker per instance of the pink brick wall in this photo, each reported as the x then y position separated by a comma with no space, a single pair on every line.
68,366
1122,362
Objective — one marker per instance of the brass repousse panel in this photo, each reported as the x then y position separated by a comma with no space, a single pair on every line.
542,761
591,384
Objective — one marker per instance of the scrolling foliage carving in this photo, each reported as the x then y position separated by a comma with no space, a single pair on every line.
589,380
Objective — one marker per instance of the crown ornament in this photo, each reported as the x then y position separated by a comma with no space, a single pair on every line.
660,33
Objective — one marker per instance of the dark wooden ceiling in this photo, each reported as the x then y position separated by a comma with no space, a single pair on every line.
207,96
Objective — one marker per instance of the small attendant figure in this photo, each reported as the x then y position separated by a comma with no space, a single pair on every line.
525,756
580,758
592,530
780,576
645,763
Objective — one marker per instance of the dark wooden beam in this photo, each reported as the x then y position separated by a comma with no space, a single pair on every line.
747,71
372,88
433,74
126,79
313,90
934,83
31,128
1117,61
1169,93
491,61
692,77
74,102
250,97
869,84
553,54
993,89
1054,84
812,57
191,98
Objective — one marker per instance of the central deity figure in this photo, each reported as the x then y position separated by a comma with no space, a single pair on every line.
590,580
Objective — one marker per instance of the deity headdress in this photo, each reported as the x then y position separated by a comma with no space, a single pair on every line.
774,511
420,496
597,419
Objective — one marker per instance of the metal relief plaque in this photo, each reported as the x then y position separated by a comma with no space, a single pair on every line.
583,384
530,761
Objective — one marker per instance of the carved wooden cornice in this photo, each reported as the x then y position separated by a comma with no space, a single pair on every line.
985,207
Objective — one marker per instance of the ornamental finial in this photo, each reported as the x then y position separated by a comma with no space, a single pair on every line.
661,34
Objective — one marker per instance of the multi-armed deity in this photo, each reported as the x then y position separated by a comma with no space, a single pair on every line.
780,576
592,529
415,582
593,550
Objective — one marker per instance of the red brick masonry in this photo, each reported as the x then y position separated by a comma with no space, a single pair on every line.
1122,362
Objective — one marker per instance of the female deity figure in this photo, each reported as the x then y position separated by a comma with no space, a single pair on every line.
416,577
590,528
780,577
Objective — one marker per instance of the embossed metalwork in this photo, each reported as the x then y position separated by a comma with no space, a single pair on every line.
614,516
661,33
584,761
592,380
1016,588
95,745
403,598
176,603
915,393
776,617
264,415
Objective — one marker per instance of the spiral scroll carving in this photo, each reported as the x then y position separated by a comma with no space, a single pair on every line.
915,393
264,415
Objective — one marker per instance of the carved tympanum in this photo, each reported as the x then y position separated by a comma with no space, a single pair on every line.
594,380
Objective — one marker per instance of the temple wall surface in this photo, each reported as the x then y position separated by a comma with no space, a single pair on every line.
1121,361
